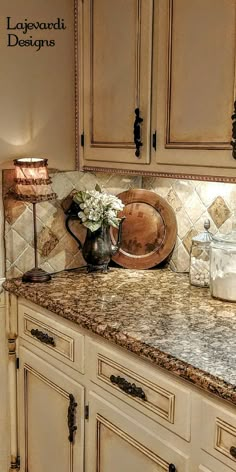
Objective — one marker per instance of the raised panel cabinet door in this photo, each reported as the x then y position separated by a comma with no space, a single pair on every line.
116,80
117,442
47,415
195,82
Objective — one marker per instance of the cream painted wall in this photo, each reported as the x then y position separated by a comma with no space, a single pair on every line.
37,88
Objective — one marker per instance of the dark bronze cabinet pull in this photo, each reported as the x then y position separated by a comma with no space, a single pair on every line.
127,387
172,468
233,451
43,337
71,417
137,132
233,142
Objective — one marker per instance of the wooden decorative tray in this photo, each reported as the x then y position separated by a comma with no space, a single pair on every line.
149,230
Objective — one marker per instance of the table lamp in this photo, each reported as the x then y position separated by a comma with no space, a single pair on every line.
33,185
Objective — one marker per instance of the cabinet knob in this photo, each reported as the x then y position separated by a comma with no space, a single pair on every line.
172,468
233,451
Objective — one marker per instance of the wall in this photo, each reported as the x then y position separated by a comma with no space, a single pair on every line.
36,87
192,202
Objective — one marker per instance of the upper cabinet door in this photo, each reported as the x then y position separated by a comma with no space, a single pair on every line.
116,79
195,82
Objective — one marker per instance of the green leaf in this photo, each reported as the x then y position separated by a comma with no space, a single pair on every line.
98,188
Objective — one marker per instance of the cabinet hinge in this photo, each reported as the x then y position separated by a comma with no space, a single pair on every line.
86,412
82,139
18,462
154,140
17,362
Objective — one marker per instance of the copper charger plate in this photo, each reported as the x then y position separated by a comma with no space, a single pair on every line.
149,231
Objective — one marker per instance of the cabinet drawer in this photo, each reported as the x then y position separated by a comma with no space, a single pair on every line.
141,386
52,336
219,433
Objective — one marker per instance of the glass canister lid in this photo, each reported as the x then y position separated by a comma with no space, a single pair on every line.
206,236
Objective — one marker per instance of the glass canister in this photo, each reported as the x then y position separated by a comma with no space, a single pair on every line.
199,273
223,266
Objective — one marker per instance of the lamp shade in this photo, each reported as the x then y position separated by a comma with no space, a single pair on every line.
32,182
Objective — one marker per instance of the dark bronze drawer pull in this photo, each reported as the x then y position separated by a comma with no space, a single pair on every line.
233,451
71,417
43,337
127,387
137,132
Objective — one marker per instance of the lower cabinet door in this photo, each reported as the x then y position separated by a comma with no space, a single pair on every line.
51,418
117,442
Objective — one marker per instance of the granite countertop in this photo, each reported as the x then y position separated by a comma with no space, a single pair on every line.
155,314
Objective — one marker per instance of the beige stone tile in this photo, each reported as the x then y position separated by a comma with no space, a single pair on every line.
13,209
60,260
77,261
24,225
45,210
180,258
15,245
61,185
74,177
226,227
13,272
47,241
87,182
184,190
194,207
209,191
173,200
26,260
183,222
120,183
219,211
47,267
158,185
187,240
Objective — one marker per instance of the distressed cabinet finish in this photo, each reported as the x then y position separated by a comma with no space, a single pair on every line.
46,410
173,428
117,78
184,51
123,445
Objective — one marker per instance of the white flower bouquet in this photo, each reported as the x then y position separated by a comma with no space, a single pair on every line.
98,208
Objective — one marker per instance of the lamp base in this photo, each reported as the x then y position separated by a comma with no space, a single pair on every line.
36,275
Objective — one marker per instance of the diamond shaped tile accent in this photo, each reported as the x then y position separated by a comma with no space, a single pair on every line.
187,241
219,211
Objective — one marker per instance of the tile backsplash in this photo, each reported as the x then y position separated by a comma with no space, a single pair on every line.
192,201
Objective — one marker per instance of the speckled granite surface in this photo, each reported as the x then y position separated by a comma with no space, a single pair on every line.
155,314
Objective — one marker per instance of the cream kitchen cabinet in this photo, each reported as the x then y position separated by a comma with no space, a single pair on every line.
165,424
174,60
51,417
122,444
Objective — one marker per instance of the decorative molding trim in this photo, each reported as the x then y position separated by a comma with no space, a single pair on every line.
76,82
169,175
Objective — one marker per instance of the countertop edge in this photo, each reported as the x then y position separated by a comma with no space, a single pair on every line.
179,368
